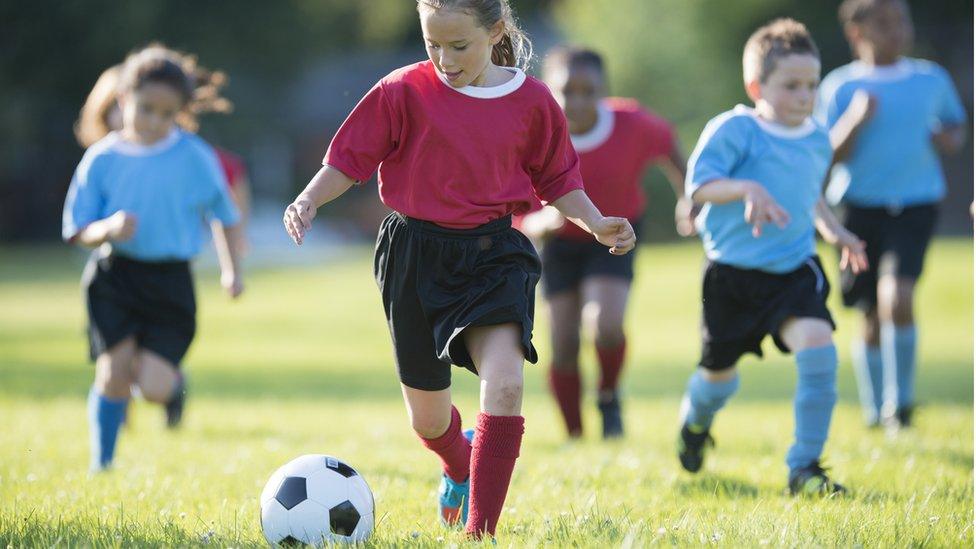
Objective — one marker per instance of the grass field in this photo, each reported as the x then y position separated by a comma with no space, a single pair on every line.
303,365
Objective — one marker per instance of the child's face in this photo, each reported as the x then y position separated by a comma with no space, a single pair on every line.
458,46
578,90
149,112
888,29
790,90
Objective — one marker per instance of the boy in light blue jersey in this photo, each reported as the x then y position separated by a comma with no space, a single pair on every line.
889,117
141,196
758,173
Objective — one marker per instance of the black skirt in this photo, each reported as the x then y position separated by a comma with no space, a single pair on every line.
152,301
436,282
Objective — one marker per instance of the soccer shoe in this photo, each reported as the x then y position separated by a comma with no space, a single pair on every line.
613,425
453,496
175,406
901,419
691,446
812,480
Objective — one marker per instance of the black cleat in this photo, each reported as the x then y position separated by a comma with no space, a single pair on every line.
902,418
812,480
613,425
691,447
174,408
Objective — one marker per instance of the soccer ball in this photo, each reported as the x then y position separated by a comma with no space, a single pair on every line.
316,499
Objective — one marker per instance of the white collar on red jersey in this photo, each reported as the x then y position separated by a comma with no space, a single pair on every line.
136,149
779,130
598,134
489,92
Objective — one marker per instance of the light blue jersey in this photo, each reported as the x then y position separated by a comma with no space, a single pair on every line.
171,187
790,162
893,162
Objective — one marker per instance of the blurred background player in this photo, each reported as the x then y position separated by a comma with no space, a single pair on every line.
889,117
759,173
140,197
616,139
101,115
462,141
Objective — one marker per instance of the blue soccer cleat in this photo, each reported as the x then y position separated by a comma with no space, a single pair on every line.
453,496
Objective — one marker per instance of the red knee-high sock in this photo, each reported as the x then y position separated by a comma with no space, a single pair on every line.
611,362
453,449
566,387
497,441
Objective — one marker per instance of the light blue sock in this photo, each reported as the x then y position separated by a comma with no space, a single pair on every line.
869,371
816,394
104,419
704,398
898,344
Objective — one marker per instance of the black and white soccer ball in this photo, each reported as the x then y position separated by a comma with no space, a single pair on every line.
316,499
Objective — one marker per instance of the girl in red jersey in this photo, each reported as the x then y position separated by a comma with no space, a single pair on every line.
616,140
462,141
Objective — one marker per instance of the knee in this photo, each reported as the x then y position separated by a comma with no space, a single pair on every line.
813,336
718,376
902,305
157,392
430,426
504,395
112,378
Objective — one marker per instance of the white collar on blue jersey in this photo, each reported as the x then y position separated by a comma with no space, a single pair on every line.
779,130
135,149
598,134
489,92
883,73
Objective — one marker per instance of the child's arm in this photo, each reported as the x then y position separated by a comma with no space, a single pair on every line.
327,185
615,232
760,205
844,133
949,139
117,227
226,239
852,253
685,210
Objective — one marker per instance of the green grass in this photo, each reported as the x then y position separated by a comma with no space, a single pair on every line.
303,365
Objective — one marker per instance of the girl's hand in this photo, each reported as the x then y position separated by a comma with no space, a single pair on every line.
685,211
852,254
232,283
615,232
762,208
298,218
121,226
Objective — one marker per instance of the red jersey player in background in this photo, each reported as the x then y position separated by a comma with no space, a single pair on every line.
616,139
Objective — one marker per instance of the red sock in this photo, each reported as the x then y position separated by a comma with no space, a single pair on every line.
496,446
566,387
611,362
453,449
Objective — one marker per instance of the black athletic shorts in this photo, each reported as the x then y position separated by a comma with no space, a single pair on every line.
153,301
566,262
740,307
896,242
437,281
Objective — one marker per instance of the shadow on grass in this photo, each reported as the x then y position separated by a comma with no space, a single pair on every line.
715,485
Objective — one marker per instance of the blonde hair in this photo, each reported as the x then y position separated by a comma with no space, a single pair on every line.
92,123
515,47
772,42
200,88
